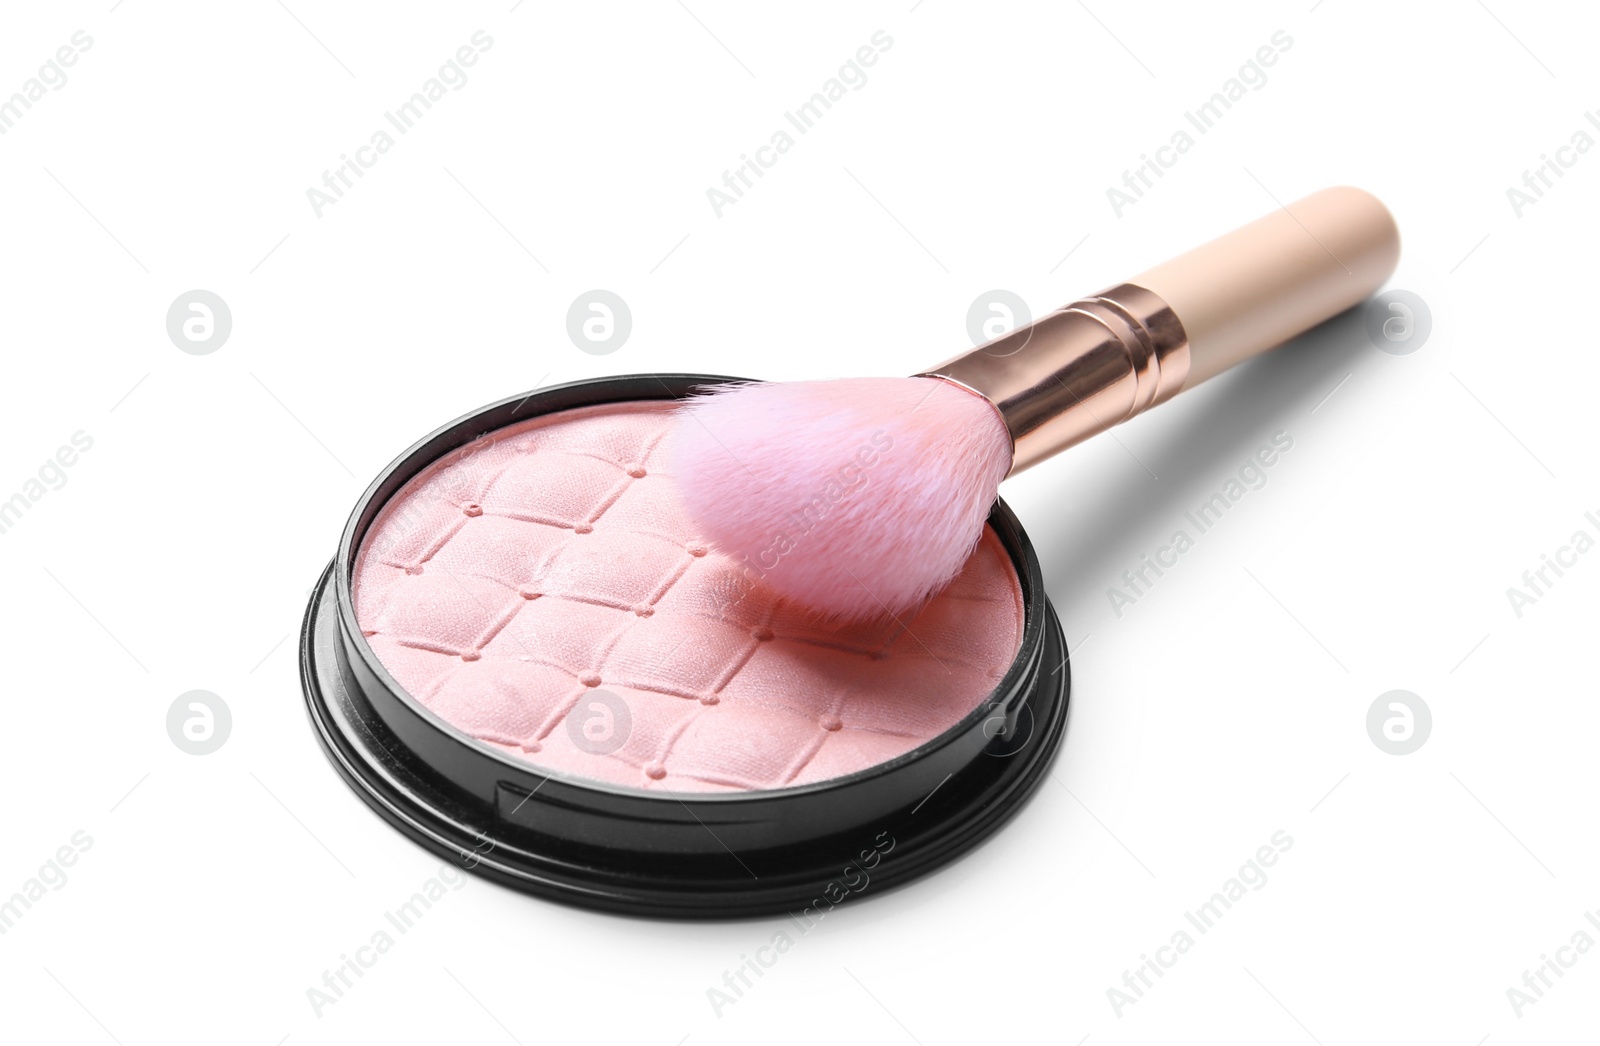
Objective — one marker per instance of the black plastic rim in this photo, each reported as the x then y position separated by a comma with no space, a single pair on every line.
694,855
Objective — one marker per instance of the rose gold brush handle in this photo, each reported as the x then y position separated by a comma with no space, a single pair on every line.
1099,361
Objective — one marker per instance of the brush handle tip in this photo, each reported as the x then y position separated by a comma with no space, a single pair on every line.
1262,284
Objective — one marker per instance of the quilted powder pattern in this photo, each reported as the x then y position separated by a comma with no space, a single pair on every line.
525,580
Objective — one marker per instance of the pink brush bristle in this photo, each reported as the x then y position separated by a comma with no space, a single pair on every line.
857,497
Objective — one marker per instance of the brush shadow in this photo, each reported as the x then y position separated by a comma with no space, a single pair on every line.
1225,422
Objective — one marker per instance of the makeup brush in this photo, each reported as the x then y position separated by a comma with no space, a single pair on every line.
864,496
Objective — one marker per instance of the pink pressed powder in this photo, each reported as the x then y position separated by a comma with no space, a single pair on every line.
545,573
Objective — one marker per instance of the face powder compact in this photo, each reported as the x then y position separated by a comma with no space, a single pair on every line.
525,659
696,646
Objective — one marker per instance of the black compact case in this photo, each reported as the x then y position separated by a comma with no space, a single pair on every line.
694,855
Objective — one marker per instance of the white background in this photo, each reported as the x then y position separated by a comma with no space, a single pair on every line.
1228,704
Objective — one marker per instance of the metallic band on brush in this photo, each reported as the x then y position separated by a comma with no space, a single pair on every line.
1078,371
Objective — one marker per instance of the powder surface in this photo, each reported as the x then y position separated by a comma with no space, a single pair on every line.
541,590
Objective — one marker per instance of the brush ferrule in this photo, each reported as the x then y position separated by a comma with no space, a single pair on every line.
1078,371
